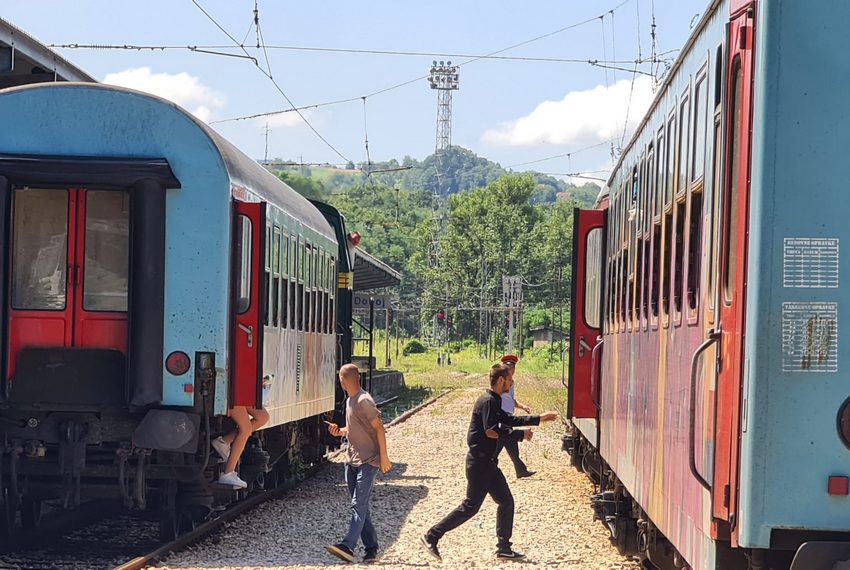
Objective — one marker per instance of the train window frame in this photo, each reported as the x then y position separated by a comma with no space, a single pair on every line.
275,284
659,175
300,288
699,115
332,301
680,225
316,289
670,161
293,282
308,288
683,146
647,236
284,280
714,216
666,264
90,197
694,249
730,207
267,275
243,263
592,281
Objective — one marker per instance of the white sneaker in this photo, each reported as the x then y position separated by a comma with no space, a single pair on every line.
221,447
232,479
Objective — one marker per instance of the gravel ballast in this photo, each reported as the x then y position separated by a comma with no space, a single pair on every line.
553,524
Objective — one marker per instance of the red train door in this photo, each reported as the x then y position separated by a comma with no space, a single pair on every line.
249,287
733,278
585,316
69,272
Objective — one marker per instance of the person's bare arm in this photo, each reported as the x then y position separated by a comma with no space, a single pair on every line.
378,425
335,430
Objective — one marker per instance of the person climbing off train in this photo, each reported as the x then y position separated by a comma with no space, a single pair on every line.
231,445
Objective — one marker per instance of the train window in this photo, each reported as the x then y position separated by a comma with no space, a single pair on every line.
684,136
680,257
284,282
293,282
268,274
694,249
316,296
669,161
730,223
306,293
299,294
40,259
593,263
275,293
700,102
650,195
668,251
659,173
712,203
107,251
331,321
656,267
243,264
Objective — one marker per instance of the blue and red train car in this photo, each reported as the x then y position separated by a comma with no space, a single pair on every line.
708,390
154,277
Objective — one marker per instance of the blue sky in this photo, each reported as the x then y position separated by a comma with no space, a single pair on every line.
509,111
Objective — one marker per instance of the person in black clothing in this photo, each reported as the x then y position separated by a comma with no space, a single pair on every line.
489,426
510,404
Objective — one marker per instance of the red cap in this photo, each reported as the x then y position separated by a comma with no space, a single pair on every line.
509,359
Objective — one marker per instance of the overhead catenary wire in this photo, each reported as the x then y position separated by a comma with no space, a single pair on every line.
268,74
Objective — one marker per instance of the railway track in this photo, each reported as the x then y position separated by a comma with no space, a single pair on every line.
102,536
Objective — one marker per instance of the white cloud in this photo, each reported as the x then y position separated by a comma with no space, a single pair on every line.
181,88
284,120
581,117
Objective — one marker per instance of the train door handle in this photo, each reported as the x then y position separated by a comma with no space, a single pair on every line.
582,347
713,337
249,330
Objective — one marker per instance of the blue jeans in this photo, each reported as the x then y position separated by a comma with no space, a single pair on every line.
360,480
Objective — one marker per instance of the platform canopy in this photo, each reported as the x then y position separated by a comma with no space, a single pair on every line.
25,60
372,273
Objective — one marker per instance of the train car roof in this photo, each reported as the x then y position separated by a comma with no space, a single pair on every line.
372,273
247,173
662,89
244,172
25,60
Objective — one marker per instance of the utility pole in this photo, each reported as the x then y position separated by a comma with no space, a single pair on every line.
266,155
512,297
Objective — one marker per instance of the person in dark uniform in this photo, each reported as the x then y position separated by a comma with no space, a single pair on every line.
489,426
509,405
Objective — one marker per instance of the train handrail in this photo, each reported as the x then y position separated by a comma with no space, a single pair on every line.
713,337
594,373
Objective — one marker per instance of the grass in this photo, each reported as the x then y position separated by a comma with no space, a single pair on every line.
538,379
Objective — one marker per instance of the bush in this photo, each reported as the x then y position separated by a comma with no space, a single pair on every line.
413,346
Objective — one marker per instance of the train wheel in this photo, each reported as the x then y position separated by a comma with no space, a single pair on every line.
30,513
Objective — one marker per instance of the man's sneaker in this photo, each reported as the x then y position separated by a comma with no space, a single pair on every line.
371,556
509,555
222,448
431,547
525,474
341,551
233,480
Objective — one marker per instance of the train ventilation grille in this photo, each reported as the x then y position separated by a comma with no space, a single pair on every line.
298,357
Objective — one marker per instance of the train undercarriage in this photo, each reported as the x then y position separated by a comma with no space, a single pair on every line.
176,487
634,534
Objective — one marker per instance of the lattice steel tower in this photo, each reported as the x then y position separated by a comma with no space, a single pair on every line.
444,78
